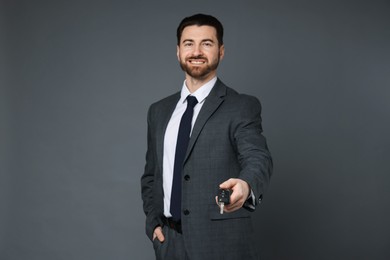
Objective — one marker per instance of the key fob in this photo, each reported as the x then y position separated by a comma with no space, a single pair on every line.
224,196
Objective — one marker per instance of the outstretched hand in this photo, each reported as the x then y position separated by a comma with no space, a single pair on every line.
241,191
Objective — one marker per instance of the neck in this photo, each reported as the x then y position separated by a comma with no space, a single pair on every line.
193,84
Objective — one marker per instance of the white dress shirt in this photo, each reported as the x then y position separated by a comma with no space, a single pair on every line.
171,133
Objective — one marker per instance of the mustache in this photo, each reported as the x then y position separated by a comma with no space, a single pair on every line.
197,57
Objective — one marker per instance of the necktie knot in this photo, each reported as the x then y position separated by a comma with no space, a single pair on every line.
192,101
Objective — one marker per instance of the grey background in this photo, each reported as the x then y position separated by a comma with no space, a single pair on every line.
77,78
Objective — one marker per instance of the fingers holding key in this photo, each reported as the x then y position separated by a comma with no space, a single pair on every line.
240,192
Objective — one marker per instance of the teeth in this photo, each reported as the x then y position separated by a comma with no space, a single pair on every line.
197,62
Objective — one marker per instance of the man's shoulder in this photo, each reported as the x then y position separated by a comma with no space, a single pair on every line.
232,92
171,99
235,96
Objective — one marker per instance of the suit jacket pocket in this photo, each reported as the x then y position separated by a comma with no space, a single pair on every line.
214,213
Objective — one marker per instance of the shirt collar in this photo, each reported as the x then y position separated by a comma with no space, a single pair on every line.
200,94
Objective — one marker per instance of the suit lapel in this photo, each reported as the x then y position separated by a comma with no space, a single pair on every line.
212,102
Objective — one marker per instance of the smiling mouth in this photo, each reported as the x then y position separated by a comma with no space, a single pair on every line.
196,61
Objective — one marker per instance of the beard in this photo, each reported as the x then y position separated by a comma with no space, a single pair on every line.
199,72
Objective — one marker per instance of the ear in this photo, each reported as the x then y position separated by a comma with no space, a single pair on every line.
177,52
221,52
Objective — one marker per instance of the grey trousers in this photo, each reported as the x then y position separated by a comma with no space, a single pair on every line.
172,248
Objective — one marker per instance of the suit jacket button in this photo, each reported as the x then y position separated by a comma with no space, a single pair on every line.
187,177
186,212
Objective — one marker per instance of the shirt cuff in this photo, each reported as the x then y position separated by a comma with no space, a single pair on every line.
251,201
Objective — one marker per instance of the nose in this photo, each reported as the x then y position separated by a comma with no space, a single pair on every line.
197,50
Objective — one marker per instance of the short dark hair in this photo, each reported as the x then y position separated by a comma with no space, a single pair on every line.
200,20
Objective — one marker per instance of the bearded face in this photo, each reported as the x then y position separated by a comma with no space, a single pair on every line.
199,52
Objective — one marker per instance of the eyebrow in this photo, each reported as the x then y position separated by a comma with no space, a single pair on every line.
204,40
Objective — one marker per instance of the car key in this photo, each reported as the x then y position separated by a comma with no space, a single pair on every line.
223,198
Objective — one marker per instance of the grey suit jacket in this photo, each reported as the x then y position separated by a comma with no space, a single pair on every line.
226,142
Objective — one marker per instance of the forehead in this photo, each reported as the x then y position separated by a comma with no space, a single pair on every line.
195,32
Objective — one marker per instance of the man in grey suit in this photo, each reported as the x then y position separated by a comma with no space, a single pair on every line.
205,137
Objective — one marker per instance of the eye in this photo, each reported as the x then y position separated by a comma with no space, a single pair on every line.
207,44
187,44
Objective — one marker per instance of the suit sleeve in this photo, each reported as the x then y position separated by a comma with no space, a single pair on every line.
148,184
252,151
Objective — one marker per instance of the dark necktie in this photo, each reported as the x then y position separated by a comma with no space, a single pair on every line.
183,139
